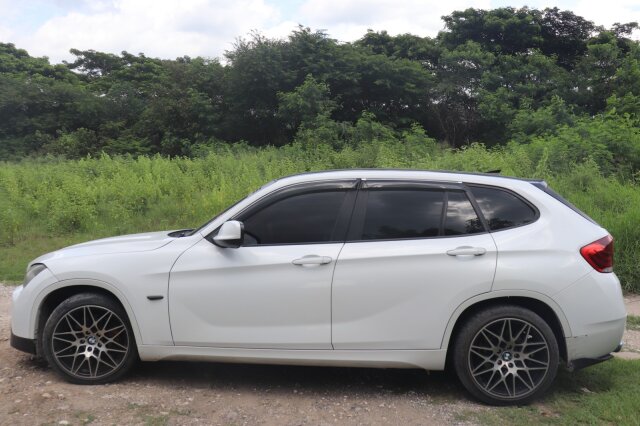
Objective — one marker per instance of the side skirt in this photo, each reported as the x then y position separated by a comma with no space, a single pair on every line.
425,359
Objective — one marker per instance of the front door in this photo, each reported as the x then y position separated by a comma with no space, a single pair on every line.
273,292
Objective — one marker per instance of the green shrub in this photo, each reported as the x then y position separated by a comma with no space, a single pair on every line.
48,202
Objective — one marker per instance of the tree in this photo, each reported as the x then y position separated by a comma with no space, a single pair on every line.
305,103
504,30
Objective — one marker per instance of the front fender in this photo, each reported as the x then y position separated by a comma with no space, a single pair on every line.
46,291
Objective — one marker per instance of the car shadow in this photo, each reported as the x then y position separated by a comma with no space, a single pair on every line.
439,386
288,379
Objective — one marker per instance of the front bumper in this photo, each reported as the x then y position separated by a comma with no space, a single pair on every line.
23,344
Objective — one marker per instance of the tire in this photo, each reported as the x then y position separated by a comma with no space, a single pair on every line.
88,339
506,355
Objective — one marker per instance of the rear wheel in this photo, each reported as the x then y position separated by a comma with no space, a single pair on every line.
88,340
506,355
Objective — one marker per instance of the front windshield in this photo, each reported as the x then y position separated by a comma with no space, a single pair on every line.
229,208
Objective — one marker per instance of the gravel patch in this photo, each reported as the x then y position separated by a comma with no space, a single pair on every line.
180,393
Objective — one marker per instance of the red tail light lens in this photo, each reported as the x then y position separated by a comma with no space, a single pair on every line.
599,254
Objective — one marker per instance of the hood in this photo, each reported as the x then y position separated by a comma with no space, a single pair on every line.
122,244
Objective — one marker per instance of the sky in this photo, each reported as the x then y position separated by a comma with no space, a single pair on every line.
173,28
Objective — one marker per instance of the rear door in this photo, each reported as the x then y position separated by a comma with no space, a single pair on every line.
415,252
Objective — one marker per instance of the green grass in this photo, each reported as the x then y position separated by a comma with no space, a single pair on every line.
46,204
633,322
608,393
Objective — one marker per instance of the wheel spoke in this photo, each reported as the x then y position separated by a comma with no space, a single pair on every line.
522,380
63,340
530,378
117,350
106,352
73,363
69,316
483,371
100,360
500,381
101,329
113,329
491,378
488,335
544,363
64,349
84,358
525,326
536,350
504,324
93,320
483,348
486,358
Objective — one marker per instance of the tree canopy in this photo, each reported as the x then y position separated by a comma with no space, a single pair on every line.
476,81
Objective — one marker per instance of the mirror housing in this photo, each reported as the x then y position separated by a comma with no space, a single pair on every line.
230,234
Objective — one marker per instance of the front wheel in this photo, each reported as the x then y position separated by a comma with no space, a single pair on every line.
506,355
88,340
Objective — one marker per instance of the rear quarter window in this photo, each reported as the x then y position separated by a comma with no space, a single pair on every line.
503,209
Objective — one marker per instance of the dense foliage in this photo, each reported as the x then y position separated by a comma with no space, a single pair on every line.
479,80
111,144
50,203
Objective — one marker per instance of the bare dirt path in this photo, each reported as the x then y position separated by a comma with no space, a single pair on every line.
222,394
207,393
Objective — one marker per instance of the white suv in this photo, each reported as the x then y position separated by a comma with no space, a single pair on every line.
499,278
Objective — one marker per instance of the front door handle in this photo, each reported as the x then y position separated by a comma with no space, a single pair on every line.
312,260
467,251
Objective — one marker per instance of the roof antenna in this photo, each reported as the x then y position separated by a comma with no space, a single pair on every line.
494,172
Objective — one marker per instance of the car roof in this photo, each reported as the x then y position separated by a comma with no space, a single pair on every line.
408,174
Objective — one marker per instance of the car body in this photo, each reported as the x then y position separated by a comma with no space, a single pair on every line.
333,268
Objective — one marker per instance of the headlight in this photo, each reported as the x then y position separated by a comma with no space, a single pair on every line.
33,270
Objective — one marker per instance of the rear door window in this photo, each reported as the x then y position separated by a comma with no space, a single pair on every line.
392,213
461,217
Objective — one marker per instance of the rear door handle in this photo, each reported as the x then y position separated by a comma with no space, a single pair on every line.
312,260
467,251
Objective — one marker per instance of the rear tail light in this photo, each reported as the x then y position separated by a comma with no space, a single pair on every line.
599,254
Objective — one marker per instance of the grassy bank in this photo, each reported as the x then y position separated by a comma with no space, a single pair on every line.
48,203
603,394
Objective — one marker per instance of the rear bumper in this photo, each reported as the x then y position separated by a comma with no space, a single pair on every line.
579,364
23,344
595,311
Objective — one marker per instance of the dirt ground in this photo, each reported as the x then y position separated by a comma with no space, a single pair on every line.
224,394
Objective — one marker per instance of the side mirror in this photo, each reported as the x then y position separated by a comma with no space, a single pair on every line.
230,235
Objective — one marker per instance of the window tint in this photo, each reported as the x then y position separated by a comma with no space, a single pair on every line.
502,209
461,217
399,213
299,219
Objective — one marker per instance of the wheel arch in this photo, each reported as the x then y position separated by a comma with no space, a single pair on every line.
536,302
54,294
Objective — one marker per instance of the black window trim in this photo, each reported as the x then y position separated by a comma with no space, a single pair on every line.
507,190
357,221
352,213
350,185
